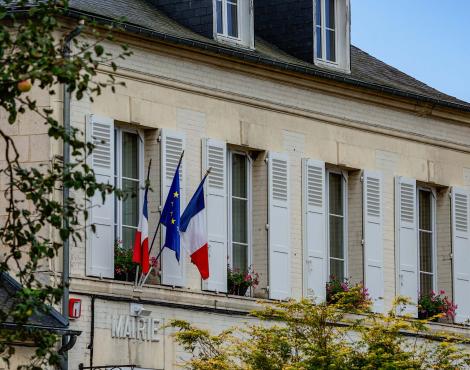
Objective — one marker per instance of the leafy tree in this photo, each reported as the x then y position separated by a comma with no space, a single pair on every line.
38,52
303,335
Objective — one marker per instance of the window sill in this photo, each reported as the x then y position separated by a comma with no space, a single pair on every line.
205,300
335,67
230,41
162,293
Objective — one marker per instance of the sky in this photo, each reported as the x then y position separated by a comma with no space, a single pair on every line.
427,39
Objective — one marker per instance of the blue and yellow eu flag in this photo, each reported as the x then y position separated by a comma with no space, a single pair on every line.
171,215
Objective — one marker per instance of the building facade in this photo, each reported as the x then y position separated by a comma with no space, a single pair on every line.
325,161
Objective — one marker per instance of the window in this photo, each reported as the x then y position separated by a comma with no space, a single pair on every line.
239,210
233,22
426,252
128,177
227,17
337,224
325,30
331,34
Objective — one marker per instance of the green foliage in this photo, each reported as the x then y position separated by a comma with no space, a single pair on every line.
34,54
344,292
304,335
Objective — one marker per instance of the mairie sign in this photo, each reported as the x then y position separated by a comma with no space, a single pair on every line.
135,327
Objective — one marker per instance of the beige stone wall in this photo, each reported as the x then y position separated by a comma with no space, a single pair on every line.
252,108
35,149
260,219
201,100
444,241
355,216
22,357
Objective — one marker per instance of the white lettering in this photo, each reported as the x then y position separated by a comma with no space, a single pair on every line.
149,329
140,328
127,328
116,328
155,337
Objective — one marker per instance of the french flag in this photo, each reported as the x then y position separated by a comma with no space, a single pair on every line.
193,231
140,254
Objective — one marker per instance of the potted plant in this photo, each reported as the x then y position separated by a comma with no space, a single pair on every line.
354,296
124,268
432,306
238,282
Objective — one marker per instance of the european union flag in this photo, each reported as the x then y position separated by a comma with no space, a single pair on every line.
171,216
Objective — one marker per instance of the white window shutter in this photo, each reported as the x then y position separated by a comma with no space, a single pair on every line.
172,144
314,226
373,238
461,253
279,226
214,155
407,242
100,245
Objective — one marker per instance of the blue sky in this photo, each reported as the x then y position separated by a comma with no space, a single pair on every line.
427,39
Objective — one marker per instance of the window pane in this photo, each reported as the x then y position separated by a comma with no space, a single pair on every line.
220,25
425,219
425,251
336,237
240,257
239,221
337,269
130,203
130,155
128,235
239,178
426,283
336,193
232,19
319,44
330,13
330,46
318,12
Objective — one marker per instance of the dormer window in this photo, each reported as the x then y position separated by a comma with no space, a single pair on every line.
332,34
233,22
326,30
227,18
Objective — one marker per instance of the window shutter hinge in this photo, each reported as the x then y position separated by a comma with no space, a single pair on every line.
362,178
160,207
267,288
159,138
266,160
266,226
363,242
451,255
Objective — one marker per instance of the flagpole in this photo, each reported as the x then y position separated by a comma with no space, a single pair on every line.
161,249
142,280
147,183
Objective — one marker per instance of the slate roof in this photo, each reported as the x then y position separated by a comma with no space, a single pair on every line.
142,17
51,320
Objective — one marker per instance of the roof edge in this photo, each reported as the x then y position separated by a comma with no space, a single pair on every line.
240,54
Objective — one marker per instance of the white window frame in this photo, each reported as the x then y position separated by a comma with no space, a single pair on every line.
118,130
434,235
322,59
245,19
249,208
344,183
224,33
